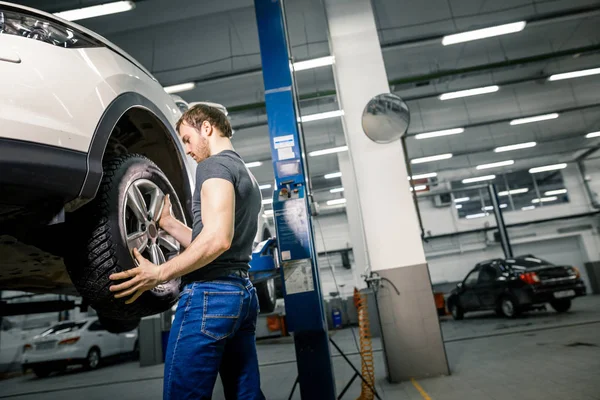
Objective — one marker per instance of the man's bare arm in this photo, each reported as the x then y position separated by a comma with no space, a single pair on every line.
180,231
218,217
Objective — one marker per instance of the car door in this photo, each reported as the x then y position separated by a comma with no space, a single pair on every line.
488,286
109,343
469,300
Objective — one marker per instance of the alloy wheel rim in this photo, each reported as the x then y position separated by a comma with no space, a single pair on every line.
271,289
507,307
94,359
142,208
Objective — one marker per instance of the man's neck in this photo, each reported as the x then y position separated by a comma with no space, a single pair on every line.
219,145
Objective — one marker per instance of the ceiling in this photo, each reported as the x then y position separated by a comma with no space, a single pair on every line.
215,43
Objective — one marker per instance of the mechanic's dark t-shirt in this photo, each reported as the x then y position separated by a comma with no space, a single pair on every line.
229,165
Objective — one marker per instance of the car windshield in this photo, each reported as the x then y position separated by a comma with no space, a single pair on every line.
526,262
63,328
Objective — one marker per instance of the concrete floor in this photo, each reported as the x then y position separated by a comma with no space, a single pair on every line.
542,355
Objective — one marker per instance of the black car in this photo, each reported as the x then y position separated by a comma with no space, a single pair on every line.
511,286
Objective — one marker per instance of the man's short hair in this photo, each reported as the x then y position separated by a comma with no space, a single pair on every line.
199,113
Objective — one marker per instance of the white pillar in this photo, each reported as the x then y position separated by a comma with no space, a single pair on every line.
412,337
355,225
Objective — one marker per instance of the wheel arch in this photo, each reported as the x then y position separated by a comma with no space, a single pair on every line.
132,123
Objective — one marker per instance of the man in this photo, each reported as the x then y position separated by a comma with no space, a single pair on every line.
214,326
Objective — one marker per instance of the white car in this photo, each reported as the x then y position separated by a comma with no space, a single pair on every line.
88,149
83,342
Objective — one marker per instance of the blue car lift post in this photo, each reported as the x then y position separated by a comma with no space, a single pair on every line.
305,314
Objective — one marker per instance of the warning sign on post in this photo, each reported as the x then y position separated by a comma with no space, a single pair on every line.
298,276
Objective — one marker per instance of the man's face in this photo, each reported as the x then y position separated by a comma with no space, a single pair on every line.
195,141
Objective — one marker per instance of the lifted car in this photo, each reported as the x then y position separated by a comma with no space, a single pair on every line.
515,285
88,150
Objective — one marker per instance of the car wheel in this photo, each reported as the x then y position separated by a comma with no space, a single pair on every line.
267,295
562,305
509,307
118,326
92,360
42,372
123,216
456,311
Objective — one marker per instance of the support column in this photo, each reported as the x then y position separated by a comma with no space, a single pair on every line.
411,330
355,226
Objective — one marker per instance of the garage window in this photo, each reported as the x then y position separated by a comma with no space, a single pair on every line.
517,191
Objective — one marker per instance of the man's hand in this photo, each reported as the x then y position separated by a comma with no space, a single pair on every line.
166,216
144,277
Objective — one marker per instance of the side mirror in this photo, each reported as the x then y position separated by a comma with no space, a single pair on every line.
459,285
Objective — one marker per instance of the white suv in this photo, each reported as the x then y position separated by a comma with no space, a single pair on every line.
88,150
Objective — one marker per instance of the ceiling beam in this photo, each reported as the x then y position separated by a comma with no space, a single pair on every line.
505,120
478,69
542,19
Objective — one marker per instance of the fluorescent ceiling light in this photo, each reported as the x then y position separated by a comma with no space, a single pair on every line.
336,202
480,215
444,132
462,199
512,147
458,206
328,151
268,212
484,33
574,74
324,115
514,191
96,11
469,92
555,192
592,134
336,190
423,176
314,63
496,164
490,208
544,199
266,186
479,179
333,175
253,164
419,188
431,158
528,208
537,118
182,87
267,201
547,168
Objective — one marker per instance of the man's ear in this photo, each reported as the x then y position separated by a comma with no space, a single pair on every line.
208,128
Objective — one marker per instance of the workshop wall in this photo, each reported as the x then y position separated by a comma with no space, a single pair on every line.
450,258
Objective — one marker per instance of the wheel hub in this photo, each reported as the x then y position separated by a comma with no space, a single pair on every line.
152,231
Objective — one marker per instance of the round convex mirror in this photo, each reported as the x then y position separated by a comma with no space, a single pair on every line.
385,118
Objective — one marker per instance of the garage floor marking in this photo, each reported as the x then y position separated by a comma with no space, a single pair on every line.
420,389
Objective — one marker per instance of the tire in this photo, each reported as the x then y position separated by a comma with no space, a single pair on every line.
92,361
42,372
561,306
456,311
267,296
99,232
509,307
118,326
